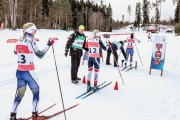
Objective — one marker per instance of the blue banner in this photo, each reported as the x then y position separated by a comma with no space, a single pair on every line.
158,55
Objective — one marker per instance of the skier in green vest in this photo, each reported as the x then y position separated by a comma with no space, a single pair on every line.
76,44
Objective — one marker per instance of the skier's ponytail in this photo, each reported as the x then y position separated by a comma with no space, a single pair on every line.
132,35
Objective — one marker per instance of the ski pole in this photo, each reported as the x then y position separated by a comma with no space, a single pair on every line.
119,53
138,54
59,82
121,60
117,64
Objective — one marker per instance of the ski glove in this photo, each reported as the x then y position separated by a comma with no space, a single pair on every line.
122,43
66,52
51,41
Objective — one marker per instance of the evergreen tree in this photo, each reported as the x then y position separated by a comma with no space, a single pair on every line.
157,15
45,8
145,8
138,15
122,18
1,12
129,11
157,12
176,15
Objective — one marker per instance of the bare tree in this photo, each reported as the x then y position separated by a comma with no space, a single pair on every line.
129,11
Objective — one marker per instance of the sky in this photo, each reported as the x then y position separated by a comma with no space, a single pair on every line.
120,8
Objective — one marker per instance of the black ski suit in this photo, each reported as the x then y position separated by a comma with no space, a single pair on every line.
75,54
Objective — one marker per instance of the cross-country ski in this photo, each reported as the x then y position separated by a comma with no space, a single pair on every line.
89,91
92,92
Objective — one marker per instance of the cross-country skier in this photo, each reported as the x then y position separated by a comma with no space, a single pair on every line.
130,48
94,58
149,36
76,43
113,49
25,74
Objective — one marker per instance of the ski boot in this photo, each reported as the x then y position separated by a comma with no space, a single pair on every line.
35,116
130,65
108,63
13,116
125,64
75,81
95,88
78,78
89,88
116,65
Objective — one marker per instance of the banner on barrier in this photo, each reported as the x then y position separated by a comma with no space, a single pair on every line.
158,54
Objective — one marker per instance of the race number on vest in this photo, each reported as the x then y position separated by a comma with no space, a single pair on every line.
25,56
78,42
130,43
93,45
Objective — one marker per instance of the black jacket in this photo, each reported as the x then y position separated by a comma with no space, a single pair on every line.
73,51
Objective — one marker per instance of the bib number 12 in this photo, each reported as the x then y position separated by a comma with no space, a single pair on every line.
92,50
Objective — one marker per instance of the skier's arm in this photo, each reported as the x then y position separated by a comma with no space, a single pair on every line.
85,45
15,52
137,40
70,41
102,45
37,52
126,40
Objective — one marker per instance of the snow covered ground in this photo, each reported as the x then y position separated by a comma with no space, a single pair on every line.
143,97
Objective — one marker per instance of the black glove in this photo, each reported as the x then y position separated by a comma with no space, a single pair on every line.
122,43
50,41
66,53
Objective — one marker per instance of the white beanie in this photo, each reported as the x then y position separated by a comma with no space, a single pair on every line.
96,33
30,30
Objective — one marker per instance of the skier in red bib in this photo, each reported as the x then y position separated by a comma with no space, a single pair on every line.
25,74
93,45
131,41
149,36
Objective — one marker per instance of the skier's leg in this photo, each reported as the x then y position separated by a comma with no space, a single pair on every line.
90,69
33,85
131,56
108,56
21,88
96,72
85,57
127,55
115,58
74,63
78,64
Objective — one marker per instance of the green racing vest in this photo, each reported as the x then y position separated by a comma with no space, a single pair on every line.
78,42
